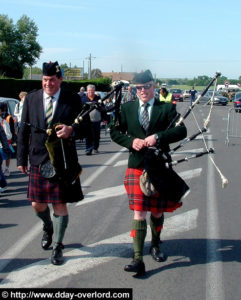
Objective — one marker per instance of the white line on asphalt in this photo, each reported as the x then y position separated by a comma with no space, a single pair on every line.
189,151
190,173
214,282
43,272
109,192
121,163
100,169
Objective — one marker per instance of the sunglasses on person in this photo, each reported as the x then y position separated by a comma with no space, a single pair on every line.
145,87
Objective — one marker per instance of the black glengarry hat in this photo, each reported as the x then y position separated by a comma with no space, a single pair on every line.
50,69
143,77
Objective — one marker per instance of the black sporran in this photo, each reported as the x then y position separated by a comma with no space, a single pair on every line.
63,166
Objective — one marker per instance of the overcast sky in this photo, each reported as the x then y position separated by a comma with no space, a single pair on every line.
174,39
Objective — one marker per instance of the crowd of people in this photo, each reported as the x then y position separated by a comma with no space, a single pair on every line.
47,126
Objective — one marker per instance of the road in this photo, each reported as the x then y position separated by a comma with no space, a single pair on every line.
202,238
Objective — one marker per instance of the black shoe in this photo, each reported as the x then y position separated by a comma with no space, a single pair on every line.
136,266
157,255
47,237
57,255
89,153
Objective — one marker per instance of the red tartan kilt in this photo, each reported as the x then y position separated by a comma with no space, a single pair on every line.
139,201
41,190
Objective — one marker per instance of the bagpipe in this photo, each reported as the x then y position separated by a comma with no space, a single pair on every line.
62,166
158,174
88,108
178,121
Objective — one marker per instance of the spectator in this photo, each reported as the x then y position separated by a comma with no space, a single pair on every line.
81,91
93,139
5,151
165,95
19,107
8,124
131,95
192,94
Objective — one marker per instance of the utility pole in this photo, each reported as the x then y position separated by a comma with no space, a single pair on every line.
89,65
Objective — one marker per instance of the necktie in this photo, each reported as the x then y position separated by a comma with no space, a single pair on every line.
145,117
49,111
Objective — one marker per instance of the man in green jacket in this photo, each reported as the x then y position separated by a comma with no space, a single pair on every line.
143,124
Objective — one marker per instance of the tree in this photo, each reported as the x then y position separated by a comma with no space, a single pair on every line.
18,45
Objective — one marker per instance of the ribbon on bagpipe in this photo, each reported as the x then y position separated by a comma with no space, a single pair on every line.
201,131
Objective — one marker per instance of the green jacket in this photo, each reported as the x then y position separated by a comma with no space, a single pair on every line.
130,128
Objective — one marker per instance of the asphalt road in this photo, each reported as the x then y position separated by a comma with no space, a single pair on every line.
202,238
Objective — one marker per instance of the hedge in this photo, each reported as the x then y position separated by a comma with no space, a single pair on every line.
12,87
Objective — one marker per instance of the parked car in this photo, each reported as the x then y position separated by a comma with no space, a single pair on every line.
177,94
186,94
218,99
237,102
11,102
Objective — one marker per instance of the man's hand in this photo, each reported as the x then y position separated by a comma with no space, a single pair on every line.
150,141
63,131
138,144
23,169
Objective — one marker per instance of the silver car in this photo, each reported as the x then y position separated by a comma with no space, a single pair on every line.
217,100
11,102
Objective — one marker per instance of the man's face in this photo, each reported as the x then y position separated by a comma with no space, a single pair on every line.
163,93
91,92
51,84
145,91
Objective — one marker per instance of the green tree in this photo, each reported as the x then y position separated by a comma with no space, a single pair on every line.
18,45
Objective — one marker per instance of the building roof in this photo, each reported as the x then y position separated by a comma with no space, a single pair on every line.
115,76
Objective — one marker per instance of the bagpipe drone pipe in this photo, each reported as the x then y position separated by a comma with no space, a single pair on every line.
62,165
158,169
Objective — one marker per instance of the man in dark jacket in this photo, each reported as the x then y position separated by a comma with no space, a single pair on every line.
93,139
143,124
44,109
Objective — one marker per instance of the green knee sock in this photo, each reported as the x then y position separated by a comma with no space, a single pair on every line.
138,233
60,224
156,225
45,217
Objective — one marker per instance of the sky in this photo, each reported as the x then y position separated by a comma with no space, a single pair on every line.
173,38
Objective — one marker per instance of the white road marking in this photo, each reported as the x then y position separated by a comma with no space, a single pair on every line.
214,281
190,173
123,162
43,272
100,169
189,151
103,194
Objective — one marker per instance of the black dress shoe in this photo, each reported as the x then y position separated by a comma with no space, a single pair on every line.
47,237
136,266
157,255
57,255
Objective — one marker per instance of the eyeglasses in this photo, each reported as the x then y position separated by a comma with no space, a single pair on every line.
145,87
